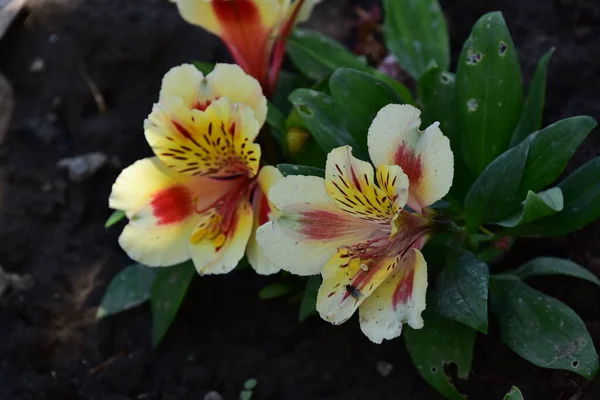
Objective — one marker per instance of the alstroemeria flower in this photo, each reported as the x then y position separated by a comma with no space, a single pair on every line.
201,197
250,29
352,226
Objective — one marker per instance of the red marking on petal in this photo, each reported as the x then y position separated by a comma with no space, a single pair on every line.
202,105
320,225
181,129
172,205
411,164
355,179
264,209
232,129
404,291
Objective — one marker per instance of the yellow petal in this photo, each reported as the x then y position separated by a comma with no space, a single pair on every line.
263,213
399,299
425,156
305,10
346,284
222,253
350,183
309,227
217,142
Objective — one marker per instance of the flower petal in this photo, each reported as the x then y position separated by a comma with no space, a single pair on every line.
305,10
400,299
309,227
220,254
350,183
217,142
263,213
347,283
394,138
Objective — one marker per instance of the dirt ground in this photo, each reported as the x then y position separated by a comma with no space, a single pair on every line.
51,229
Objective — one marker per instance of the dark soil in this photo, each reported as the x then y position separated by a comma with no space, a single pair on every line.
52,229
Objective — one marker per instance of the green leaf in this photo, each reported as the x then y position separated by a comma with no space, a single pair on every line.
439,343
322,119
489,91
166,295
292,169
514,394
437,94
274,290
358,97
204,67
308,306
581,193
250,384
286,84
541,329
115,217
554,266
276,121
533,164
416,33
462,290
401,91
533,108
536,206
129,288
317,56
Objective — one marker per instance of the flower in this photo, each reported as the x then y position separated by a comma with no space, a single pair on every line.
201,197
253,30
354,229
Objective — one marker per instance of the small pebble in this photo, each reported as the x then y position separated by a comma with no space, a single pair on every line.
84,166
37,65
384,368
213,396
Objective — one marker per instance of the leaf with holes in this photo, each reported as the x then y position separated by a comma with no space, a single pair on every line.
291,169
308,306
553,266
129,288
438,344
533,108
321,117
489,91
416,33
535,206
462,290
514,394
317,56
358,97
541,329
167,293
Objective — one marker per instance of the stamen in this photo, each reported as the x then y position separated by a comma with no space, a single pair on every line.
219,240
198,235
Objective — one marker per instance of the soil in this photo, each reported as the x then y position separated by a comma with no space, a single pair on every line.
51,229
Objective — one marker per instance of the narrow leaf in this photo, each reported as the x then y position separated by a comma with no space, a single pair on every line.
514,394
204,67
292,169
489,91
167,293
462,291
129,288
554,266
536,206
358,97
533,108
115,217
308,306
541,329
438,344
416,33
274,290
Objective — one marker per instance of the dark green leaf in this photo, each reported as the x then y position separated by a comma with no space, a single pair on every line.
308,306
462,290
541,329
533,164
358,97
274,290
276,121
416,33
291,169
166,295
317,56
489,91
581,193
533,108
439,343
402,91
115,217
250,384
554,266
514,394
322,119
129,288
204,67
287,83
536,206
310,154
437,94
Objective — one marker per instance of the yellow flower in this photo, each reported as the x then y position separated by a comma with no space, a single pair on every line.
254,31
354,229
201,197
